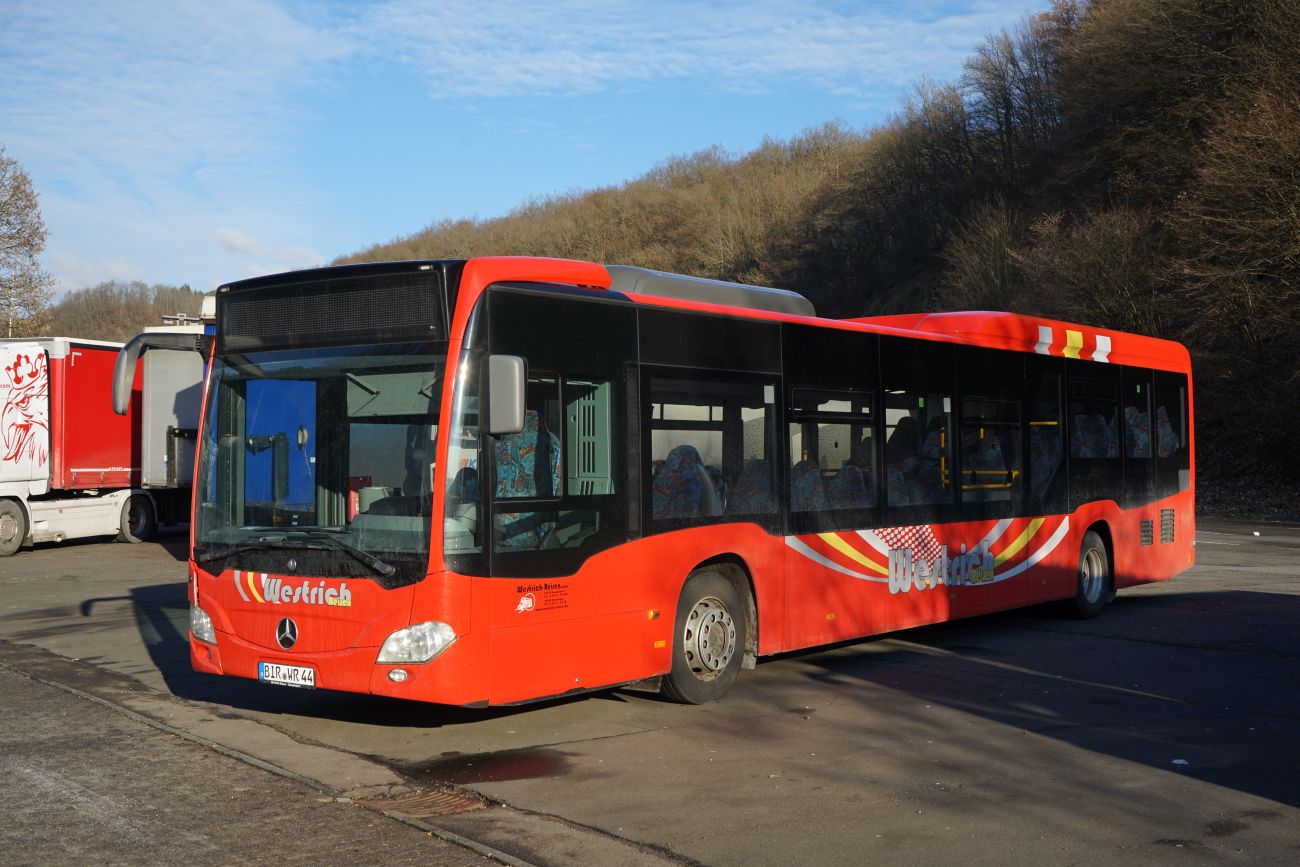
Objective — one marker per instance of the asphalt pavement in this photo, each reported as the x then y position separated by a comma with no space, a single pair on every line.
1163,732
86,784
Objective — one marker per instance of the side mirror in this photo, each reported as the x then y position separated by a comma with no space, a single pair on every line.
507,375
129,355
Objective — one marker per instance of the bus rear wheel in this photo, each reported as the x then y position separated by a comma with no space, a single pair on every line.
1094,581
13,527
709,640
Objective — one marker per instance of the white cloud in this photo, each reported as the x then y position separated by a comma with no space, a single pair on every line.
148,124
286,256
78,273
164,91
490,48
165,137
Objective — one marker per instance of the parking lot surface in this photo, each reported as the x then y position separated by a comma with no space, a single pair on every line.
1162,732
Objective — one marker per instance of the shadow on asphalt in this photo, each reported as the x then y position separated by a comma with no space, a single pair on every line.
162,617
1200,684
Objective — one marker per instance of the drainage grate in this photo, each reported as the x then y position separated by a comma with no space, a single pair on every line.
427,804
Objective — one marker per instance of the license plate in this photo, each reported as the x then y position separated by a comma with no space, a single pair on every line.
287,675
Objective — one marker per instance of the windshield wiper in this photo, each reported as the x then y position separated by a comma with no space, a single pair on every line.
379,566
262,543
283,540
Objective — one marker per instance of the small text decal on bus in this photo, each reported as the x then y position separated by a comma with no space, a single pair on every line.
542,596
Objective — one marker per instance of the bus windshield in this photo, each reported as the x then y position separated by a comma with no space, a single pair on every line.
320,461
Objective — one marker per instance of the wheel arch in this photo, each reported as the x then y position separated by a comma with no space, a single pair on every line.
737,572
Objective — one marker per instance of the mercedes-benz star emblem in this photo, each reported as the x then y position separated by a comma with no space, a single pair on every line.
286,633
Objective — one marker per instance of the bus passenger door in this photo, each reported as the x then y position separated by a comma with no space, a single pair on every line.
566,601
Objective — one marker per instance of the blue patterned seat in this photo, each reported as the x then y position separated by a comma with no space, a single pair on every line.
1166,436
931,483
675,491
1044,458
1137,431
752,493
718,481
1091,436
849,490
986,454
807,493
517,477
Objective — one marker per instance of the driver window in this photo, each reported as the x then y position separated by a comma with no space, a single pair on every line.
529,466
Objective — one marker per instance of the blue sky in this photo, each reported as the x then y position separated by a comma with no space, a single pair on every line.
201,142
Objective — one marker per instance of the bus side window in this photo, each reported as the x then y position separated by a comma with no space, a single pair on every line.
1173,458
529,466
1096,469
588,436
833,459
1044,382
1139,470
564,454
918,384
992,470
990,454
710,455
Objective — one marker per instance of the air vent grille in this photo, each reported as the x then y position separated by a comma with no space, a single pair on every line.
1166,525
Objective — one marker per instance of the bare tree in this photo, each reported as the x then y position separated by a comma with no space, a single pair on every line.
25,288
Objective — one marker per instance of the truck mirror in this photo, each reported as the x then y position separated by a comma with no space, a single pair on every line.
129,355
506,377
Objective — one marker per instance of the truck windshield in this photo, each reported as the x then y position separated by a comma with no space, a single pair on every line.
320,462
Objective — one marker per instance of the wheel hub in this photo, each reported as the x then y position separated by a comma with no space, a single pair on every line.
710,638
1091,572
8,528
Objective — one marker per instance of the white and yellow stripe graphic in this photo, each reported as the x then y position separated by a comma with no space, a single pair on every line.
1073,345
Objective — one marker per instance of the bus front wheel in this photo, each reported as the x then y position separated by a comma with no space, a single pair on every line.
1093,587
709,640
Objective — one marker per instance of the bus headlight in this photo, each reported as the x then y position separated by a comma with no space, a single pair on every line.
201,625
418,643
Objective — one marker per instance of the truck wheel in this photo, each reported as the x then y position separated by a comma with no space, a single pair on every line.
1093,588
709,641
138,519
13,527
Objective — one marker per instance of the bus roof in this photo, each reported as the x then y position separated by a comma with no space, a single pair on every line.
991,329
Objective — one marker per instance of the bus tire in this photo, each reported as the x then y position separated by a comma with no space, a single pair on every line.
138,521
1092,588
13,527
708,640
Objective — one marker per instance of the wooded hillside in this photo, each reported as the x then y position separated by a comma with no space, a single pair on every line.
118,311
1132,164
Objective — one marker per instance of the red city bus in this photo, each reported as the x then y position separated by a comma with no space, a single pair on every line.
499,480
